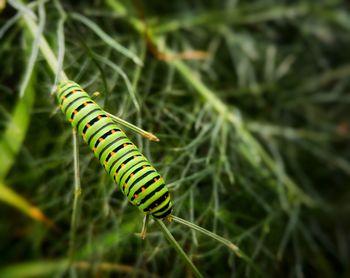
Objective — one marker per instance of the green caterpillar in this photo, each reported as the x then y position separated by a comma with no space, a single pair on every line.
137,178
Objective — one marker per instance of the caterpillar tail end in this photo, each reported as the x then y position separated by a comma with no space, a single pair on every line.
163,214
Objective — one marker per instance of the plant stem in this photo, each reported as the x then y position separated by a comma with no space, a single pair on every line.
148,135
45,48
224,241
77,194
177,247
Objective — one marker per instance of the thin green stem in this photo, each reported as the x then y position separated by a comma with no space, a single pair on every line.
106,38
60,39
77,194
45,48
200,87
150,136
177,247
34,51
218,238
123,75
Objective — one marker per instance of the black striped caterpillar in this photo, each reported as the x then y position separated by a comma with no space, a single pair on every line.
136,177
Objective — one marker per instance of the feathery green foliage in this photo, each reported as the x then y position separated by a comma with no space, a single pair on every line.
254,136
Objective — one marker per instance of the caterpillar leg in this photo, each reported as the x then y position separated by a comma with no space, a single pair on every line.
95,95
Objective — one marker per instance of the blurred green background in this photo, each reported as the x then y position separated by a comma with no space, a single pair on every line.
250,100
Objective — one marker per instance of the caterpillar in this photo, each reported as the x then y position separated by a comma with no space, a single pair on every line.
138,180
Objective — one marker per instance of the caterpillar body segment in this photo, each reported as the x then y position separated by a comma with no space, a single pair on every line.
136,177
